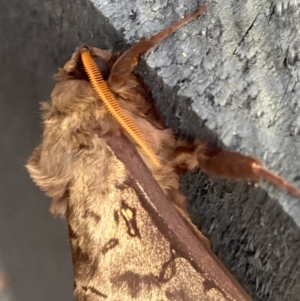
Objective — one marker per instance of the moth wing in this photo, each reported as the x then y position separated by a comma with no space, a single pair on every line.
119,249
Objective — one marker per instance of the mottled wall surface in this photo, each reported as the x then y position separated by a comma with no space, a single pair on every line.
231,76
36,38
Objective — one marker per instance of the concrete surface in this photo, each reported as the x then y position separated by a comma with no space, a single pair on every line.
36,37
231,77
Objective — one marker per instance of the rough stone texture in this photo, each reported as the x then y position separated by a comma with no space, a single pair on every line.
231,77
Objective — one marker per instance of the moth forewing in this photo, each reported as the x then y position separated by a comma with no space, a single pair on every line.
128,241
207,277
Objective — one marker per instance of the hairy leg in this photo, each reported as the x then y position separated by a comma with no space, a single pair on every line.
219,162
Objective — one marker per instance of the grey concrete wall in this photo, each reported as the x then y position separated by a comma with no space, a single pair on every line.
36,37
231,77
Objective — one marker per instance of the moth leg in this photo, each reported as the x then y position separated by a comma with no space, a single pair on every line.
224,163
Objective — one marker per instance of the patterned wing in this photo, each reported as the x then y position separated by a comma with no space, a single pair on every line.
123,246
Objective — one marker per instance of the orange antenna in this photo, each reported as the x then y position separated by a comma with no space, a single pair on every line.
114,108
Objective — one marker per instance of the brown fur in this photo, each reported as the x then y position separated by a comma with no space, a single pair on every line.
75,111
77,169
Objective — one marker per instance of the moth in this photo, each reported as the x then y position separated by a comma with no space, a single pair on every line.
112,168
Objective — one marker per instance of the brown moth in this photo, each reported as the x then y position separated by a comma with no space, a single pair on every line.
131,237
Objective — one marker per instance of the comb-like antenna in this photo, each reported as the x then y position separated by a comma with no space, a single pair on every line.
114,108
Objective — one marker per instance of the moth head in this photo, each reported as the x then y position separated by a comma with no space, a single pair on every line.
74,67
73,93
